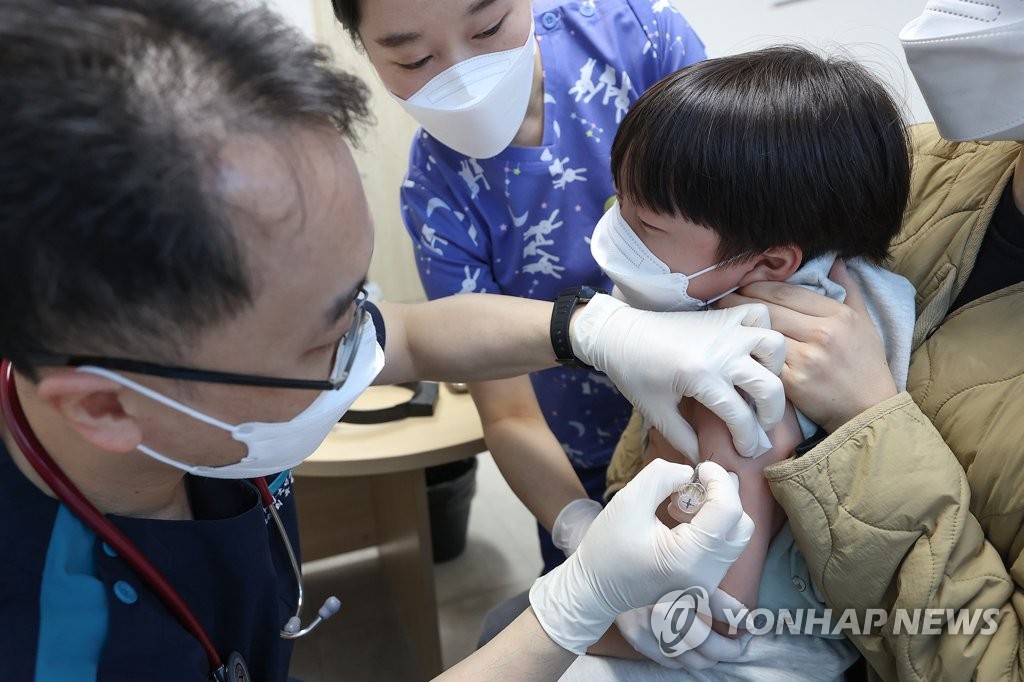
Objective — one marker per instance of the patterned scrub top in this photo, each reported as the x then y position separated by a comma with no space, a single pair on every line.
520,223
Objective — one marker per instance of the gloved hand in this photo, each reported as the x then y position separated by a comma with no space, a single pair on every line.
572,523
658,358
630,559
713,648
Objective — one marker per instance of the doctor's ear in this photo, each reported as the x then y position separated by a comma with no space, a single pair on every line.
92,406
776,264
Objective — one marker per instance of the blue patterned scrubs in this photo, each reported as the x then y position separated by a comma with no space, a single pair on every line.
520,223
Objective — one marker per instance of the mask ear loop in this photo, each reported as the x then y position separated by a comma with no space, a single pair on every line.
721,264
707,303
707,269
710,301
163,400
159,397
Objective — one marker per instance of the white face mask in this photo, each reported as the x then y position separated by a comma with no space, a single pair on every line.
275,446
968,59
477,106
641,279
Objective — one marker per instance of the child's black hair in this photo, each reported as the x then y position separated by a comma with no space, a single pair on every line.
769,148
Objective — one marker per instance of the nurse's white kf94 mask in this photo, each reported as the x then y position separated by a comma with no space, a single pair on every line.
641,279
477,106
276,446
968,59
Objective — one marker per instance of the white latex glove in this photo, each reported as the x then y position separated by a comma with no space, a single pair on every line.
656,359
714,648
628,558
572,523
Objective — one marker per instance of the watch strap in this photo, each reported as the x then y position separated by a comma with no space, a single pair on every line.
561,314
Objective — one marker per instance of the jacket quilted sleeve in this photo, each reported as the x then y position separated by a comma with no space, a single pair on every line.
881,511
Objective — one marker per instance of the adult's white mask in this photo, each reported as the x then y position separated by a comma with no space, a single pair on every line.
275,446
968,59
477,106
641,279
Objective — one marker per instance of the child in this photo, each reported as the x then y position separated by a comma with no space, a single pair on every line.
767,165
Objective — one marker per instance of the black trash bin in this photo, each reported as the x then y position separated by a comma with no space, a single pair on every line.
450,489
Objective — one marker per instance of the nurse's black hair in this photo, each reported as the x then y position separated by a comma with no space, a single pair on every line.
347,12
113,234
775,147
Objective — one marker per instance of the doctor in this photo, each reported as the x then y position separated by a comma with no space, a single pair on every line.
185,238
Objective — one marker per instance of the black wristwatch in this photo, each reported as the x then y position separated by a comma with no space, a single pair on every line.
565,304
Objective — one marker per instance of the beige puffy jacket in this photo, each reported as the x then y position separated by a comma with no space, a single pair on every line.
918,503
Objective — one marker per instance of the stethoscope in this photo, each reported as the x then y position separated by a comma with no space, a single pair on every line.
66,492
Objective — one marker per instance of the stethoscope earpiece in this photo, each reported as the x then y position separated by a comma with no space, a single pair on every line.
293,628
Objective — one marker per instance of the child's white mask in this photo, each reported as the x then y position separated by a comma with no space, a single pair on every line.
641,279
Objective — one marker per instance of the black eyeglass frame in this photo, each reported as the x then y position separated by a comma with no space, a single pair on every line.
347,345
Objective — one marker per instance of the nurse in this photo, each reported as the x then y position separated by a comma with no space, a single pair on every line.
185,239
519,103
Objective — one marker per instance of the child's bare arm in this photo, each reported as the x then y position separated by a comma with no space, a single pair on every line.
658,447
614,645
744,578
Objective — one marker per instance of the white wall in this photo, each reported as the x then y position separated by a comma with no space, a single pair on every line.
299,12
868,29
382,157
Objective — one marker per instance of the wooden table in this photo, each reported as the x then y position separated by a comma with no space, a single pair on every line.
365,486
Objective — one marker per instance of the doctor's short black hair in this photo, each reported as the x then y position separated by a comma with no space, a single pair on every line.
113,114
774,147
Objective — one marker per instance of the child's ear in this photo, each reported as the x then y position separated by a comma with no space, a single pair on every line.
776,264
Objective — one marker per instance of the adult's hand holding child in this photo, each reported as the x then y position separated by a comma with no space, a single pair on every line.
835,365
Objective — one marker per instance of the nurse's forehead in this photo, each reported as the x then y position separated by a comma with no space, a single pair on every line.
394,36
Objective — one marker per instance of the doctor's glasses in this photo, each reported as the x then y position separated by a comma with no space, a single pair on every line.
341,365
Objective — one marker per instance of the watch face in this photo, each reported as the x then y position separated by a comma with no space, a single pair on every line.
584,292
570,292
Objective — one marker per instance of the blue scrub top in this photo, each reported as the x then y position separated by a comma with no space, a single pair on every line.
520,223
75,611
